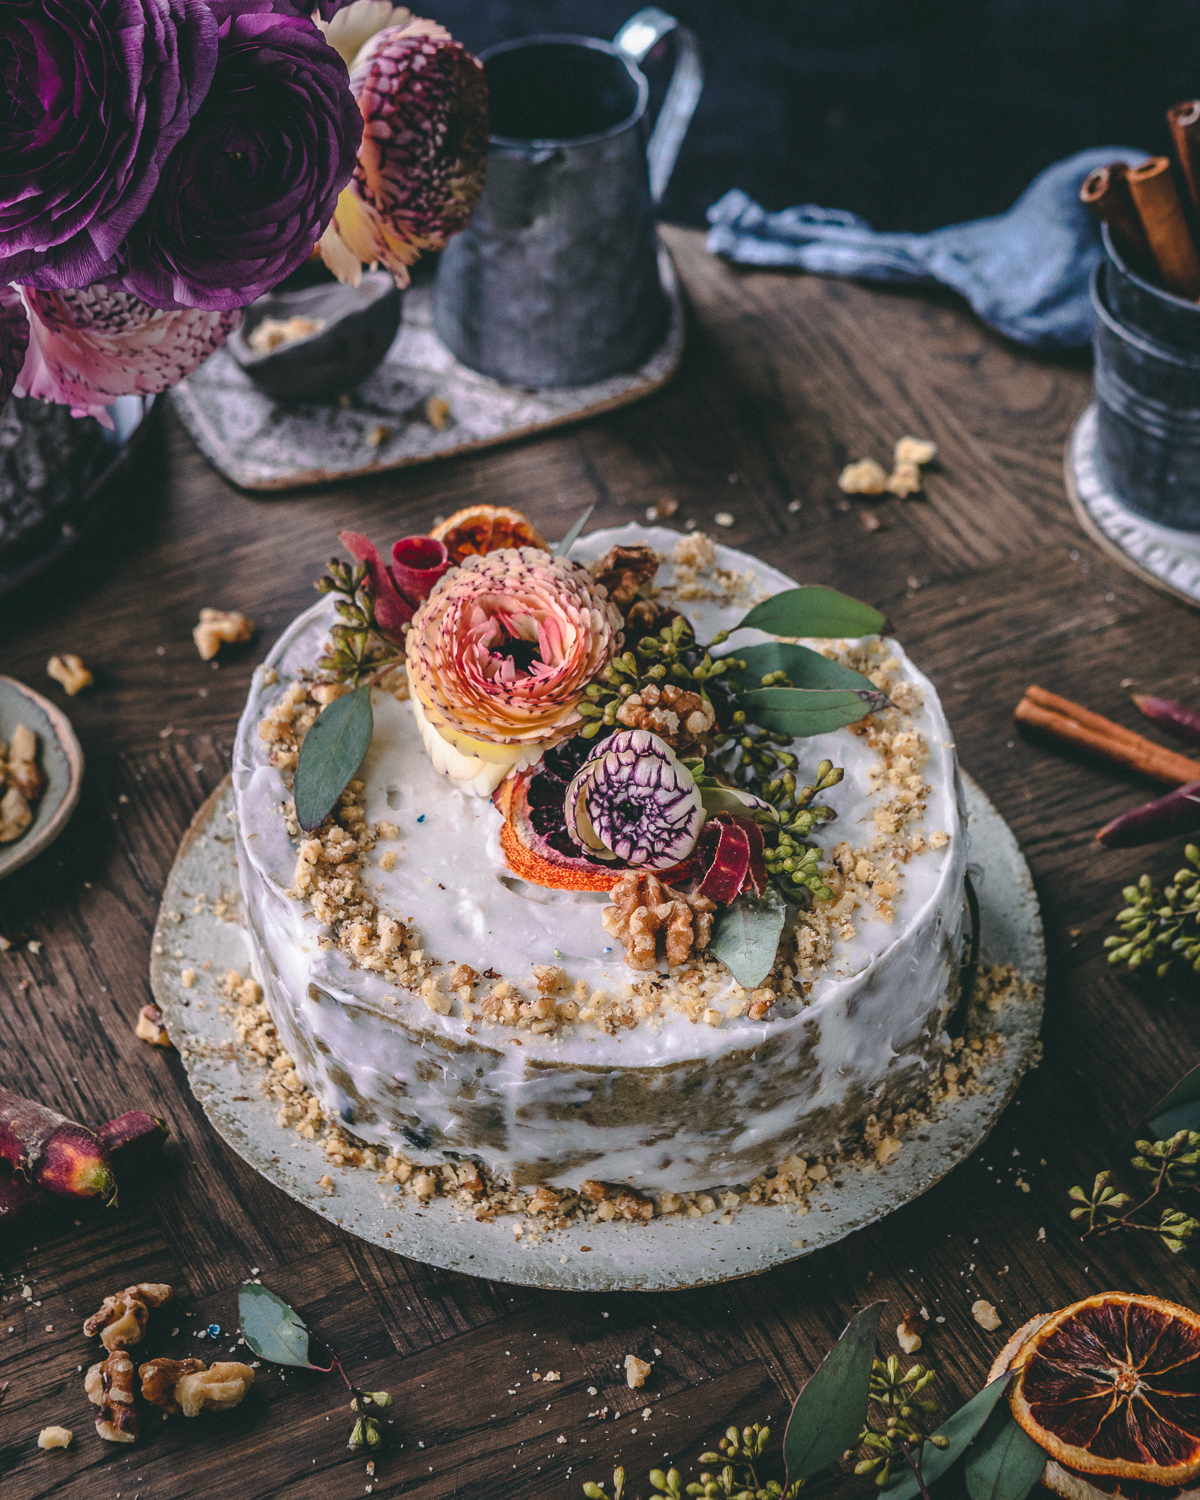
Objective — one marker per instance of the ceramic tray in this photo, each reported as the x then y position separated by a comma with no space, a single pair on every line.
259,445
666,1253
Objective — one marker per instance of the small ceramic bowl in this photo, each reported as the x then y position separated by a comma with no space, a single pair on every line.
60,758
360,323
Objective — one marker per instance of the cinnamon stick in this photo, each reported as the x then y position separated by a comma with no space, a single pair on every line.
1075,725
1184,120
1156,199
1106,192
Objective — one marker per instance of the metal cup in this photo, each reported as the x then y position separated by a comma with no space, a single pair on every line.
555,281
1147,376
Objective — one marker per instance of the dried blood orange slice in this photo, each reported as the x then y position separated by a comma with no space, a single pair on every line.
1110,1386
486,528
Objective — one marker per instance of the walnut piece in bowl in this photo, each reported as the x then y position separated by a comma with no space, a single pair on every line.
41,772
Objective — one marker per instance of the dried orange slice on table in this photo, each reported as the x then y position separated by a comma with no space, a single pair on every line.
1110,1389
486,528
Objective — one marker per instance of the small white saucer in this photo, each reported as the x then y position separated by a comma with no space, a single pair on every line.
60,757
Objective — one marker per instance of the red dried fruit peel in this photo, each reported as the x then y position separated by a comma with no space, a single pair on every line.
731,855
392,609
1110,1386
417,564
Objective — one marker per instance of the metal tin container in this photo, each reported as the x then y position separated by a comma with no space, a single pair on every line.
555,281
1139,304
1148,397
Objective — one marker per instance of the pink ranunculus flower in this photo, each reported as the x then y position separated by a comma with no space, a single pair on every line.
499,657
90,346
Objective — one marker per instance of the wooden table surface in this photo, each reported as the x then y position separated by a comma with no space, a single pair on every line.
991,586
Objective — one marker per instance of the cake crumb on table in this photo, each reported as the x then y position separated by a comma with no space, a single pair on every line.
985,1315
636,1371
55,1437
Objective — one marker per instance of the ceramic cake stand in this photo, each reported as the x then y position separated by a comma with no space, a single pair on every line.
663,1254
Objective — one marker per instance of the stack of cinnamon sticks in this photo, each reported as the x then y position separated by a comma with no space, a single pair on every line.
1076,725
1153,210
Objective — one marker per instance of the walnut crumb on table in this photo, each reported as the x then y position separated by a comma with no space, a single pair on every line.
55,1437
70,673
985,1315
636,1371
219,627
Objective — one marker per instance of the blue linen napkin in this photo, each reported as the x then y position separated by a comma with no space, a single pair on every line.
1025,272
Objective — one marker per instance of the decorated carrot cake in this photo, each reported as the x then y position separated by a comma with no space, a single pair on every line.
638,869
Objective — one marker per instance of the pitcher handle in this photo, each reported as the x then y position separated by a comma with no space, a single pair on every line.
635,39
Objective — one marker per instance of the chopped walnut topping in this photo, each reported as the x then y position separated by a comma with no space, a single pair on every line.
679,717
623,1201
122,1316
70,673
218,627
109,1385
642,907
625,571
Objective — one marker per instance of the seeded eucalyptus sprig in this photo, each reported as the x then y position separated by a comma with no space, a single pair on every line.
1171,1166
359,648
739,1456
1160,927
901,1435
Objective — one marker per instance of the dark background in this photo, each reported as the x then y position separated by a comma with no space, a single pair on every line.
915,113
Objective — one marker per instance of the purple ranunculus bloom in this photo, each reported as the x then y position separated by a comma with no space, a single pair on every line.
245,195
97,94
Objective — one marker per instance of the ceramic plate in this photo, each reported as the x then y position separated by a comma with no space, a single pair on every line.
59,757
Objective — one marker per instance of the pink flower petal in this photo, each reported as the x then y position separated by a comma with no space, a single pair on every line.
392,610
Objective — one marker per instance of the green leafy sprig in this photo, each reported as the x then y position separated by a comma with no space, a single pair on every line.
276,1332
1171,1167
1160,927
359,649
855,1400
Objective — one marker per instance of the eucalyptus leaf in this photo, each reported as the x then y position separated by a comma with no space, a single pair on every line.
746,936
1180,1110
813,611
574,534
1004,1462
830,1411
332,751
802,712
960,1429
806,668
272,1328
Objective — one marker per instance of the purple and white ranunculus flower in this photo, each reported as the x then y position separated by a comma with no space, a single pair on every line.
635,802
243,199
97,94
423,155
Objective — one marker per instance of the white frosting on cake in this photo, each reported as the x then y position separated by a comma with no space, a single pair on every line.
668,1105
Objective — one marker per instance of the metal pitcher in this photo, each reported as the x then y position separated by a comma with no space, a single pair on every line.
555,281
